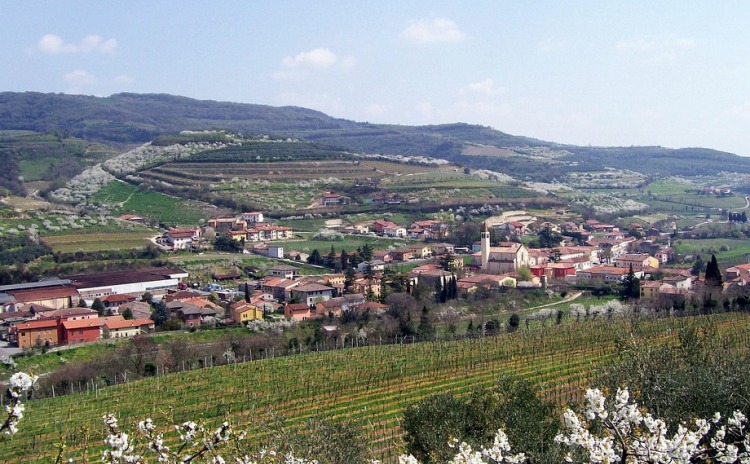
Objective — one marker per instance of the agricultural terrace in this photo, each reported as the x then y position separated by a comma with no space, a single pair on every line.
158,207
281,185
368,386
452,184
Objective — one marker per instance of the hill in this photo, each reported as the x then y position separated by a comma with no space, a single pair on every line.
367,386
127,119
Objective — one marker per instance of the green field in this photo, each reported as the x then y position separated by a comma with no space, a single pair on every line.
728,251
152,205
368,386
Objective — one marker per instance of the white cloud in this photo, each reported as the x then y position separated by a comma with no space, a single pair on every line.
485,87
658,50
54,44
435,30
317,58
80,77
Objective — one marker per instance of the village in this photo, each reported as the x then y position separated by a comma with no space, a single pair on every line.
586,256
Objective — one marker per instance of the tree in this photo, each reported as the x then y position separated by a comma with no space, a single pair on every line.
512,404
344,260
247,292
548,238
425,329
448,262
713,274
366,252
524,274
330,260
513,322
698,267
127,314
160,315
98,306
631,286
315,258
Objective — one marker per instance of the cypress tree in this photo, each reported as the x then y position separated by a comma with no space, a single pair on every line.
713,274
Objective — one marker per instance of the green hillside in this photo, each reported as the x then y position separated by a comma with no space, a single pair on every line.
128,119
368,386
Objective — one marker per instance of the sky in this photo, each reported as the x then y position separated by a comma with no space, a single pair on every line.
608,73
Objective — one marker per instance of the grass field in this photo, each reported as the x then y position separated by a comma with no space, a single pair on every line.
368,386
72,242
153,205
728,251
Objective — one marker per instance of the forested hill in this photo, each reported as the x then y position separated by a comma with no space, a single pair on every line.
129,119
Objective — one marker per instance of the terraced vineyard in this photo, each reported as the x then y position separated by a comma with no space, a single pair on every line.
369,386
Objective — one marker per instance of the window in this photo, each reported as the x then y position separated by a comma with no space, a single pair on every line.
80,332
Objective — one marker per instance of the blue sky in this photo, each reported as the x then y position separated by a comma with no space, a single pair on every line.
671,73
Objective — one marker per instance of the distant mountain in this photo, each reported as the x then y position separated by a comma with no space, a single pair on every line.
127,119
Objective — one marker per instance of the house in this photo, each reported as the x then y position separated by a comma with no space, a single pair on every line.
252,217
339,305
604,274
284,271
384,256
243,312
312,293
330,199
437,229
420,251
295,255
403,254
35,333
275,251
375,265
192,316
223,225
442,248
639,261
419,233
299,311
180,238
664,255
114,301
139,309
388,228
470,284
125,328
279,287
81,331
513,227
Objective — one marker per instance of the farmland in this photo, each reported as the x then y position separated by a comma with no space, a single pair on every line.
128,199
71,243
369,386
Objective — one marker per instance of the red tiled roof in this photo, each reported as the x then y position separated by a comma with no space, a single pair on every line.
40,324
82,324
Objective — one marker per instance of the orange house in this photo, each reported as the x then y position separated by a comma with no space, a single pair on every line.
36,333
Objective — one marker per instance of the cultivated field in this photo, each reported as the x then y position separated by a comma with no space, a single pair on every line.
368,386
70,243
159,207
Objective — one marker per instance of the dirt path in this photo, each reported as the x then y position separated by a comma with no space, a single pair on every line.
567,299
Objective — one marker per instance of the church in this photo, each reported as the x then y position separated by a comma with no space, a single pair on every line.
507,257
